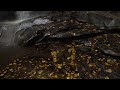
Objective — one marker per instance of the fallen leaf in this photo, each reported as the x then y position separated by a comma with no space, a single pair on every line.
109,70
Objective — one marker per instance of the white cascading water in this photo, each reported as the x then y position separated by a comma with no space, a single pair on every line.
9,29
21,15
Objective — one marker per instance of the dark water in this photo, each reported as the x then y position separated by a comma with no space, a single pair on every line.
9,53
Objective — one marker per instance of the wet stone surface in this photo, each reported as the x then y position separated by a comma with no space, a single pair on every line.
88,56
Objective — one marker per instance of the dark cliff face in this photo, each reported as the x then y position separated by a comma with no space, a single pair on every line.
15,15
7,16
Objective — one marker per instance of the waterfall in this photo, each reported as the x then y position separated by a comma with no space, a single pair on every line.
22,15
8,29
7,37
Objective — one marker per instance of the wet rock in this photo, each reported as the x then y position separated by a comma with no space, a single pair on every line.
84,49
29,29
111,53
102,19
67,24
65,29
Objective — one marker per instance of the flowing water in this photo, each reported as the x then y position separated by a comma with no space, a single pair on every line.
9,49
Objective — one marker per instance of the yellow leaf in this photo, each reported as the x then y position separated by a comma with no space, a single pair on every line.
106,77
109,70
40,72
55,76
55,59
59,66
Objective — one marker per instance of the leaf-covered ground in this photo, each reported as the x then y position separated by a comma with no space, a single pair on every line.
77,59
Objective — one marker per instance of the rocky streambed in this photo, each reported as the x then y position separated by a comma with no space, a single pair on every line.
66,45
